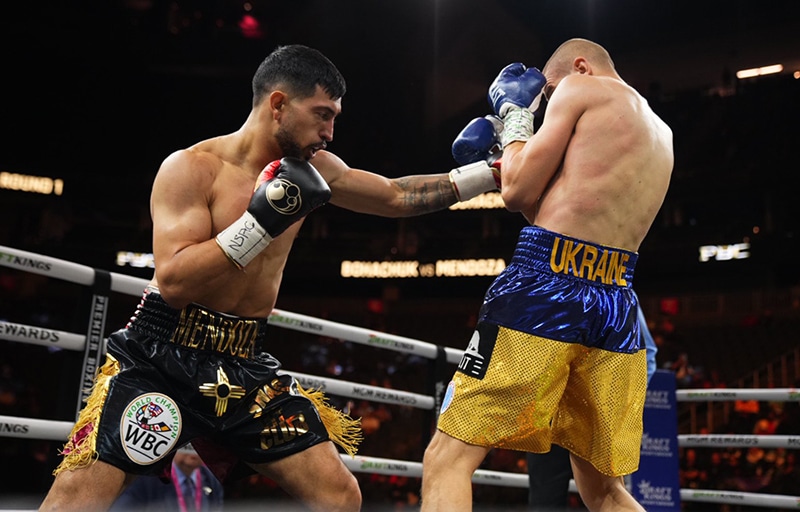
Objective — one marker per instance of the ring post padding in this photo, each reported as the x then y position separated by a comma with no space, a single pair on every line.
94,349
435,388
440,379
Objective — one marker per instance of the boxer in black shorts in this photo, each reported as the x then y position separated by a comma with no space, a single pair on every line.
225,213
173,376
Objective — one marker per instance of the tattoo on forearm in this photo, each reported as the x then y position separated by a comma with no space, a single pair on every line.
423,194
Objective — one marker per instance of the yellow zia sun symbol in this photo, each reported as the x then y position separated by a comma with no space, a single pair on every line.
222,390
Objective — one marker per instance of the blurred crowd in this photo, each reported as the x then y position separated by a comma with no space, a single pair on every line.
751,469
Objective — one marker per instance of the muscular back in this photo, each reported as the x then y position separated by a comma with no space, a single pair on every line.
610,159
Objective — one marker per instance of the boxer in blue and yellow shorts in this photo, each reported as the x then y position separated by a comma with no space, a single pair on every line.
556,356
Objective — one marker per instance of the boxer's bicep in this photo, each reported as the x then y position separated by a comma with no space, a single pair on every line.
179,207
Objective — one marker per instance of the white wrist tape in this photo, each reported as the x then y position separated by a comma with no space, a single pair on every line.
243,240
517,126
472,180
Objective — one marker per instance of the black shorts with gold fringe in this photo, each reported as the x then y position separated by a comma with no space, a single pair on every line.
177,376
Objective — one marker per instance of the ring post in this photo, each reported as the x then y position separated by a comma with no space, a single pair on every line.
656,484
94,349
436,390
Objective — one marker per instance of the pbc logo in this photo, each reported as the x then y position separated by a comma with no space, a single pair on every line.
150,428
284,196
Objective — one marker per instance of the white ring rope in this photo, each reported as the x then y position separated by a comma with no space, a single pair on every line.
364,391
738,440
379,466
312,325
31,428
741,498
66,270
730,395
48,337
59,430
20,333
82,274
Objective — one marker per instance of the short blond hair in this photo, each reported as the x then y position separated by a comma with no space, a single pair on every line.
560,62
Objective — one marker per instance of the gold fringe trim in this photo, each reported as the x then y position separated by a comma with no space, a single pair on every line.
80,449
342,429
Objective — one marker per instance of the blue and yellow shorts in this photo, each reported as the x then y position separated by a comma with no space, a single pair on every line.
556,357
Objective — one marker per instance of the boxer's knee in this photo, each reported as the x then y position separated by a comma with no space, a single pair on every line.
446,453
94,487
348,499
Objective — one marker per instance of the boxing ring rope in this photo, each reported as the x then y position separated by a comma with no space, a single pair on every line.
31,428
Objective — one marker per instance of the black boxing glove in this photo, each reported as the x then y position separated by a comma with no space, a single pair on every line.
286,191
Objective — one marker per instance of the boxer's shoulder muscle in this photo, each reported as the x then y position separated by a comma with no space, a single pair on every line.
189,168
330,166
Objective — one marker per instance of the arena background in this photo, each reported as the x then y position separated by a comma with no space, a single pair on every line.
97,94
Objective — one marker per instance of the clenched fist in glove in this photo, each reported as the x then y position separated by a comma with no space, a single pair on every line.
286,191
476,148
511,94
479,140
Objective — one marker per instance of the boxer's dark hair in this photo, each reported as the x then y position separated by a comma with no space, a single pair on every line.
299,69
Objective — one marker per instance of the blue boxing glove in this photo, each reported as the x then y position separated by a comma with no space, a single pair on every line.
479,140
515,86
476,149
511,94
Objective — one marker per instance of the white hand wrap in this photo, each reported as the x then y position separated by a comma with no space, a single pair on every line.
474,179
517,126
243,240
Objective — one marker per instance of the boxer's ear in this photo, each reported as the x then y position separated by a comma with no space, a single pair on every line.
582,66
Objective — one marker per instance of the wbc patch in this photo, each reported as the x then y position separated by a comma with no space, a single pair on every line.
479,351
150,428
